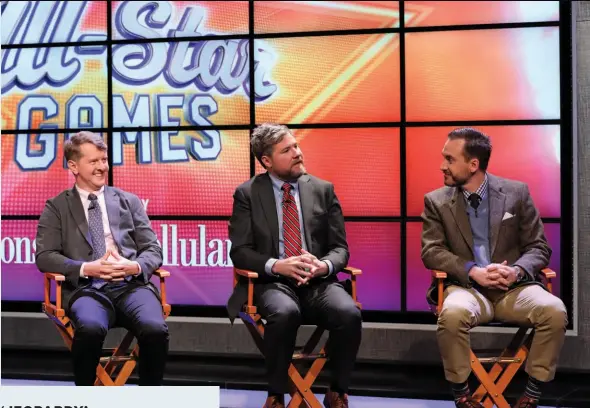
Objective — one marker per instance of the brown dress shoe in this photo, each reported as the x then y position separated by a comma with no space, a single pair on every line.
274,402
468,402
526,402
335,400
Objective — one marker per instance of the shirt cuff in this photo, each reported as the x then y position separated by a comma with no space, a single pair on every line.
82,270
330,268
525,274
469,265
139,267
268,266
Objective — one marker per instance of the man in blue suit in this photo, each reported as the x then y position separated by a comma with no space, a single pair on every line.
101,240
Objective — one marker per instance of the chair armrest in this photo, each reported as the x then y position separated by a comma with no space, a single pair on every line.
548,274
249,307
48,307
246,274
162,274
55,276
352,271
440,276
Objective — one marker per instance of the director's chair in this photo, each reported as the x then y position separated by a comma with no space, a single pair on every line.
301,394
121,357
505,362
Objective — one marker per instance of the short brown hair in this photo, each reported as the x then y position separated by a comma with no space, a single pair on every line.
72,146
477,145
265,137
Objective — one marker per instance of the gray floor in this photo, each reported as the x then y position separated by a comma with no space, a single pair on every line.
255,399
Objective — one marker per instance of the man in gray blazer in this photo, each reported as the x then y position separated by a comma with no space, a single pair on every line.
288,227
486,234
100,239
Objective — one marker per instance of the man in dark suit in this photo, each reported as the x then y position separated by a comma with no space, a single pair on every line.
288,227
486,234
100,239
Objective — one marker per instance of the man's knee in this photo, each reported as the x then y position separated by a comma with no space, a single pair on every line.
553,314
347,316
285,315
91,328
153,330
454,318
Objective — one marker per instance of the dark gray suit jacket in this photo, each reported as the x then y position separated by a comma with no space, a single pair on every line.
254,229
516,232
63,240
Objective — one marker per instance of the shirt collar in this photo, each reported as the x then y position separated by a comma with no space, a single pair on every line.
84,194
278,183
481,190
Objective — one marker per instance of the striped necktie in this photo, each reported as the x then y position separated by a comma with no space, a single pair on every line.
291,229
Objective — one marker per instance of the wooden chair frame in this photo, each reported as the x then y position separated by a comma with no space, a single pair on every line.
506,363
301,394
120,357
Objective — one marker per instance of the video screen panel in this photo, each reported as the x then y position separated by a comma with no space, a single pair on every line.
302,16
177,19
505,74
182,173
57,87
347,79
447,13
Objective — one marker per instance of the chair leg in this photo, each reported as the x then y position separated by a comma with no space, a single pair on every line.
302,386
314,370
303,393
119,351
102,377
489,385
505,371
513,368
257,336
67,335
104,374
127,368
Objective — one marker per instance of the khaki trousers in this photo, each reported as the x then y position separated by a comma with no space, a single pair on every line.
529,305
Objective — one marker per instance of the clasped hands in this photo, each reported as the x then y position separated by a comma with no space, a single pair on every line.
301,268
111,267
494,276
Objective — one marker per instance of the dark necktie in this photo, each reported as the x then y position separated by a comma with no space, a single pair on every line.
474,201
96,234
291,229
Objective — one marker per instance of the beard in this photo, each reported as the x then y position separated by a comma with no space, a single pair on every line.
293,173
452,180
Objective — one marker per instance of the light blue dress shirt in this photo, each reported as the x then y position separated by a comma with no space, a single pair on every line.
278,193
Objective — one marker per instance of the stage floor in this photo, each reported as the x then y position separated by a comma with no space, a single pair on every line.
255,399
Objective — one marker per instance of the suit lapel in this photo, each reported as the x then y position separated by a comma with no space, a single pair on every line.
267,200
75,205
459,211
113,211
496,200
306,199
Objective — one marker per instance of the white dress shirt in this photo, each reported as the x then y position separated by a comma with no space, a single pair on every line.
108,236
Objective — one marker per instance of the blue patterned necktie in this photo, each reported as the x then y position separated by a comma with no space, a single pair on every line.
96,234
